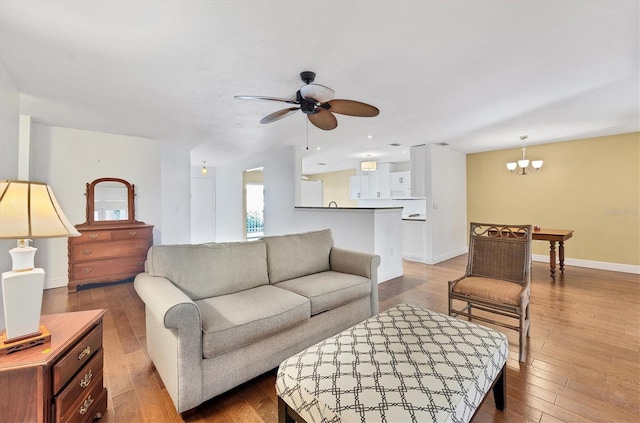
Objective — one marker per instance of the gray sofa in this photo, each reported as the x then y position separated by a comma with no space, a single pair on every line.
220,314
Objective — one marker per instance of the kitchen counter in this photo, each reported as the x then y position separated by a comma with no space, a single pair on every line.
348,208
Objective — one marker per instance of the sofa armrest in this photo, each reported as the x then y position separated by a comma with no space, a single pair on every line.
166,302
174,338
358,263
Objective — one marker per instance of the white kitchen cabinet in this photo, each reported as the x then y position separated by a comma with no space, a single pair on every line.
418,170
414,240
359,187
400,184
379,182
371,185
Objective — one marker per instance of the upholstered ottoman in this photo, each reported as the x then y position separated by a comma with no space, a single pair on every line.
406,364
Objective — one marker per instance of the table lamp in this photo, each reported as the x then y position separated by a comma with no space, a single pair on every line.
28,210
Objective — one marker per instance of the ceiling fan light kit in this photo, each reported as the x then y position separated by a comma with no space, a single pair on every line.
317,102
524,165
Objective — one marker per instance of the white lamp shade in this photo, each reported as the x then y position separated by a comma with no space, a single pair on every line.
511,166
30,210
537,164
523,163
368,166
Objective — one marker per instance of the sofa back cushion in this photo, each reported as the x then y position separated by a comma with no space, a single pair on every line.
210,270
296,255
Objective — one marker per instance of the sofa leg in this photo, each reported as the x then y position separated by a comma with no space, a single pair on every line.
188,414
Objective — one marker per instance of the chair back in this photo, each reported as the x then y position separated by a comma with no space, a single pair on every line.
500,252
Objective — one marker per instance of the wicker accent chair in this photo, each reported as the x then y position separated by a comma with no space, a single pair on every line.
498,277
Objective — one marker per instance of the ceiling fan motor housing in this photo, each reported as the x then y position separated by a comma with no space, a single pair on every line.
307,105
307,77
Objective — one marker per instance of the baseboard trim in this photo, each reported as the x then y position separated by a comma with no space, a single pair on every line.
591,264
55,283
390,274
436,259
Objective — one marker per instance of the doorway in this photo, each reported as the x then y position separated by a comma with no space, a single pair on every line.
253,203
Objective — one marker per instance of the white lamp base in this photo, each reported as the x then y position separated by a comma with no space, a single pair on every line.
22,298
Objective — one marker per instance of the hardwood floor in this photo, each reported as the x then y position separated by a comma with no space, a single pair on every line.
583,356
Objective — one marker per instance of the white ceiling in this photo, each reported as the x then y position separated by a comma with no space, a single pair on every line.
475,75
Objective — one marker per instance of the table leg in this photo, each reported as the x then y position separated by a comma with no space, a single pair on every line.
552,259
561,251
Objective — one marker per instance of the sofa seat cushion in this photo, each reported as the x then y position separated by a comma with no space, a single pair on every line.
328,290
238,319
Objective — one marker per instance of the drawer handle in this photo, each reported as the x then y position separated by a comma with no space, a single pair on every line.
85,405
139,246
86,270
93,236
86,380
84,353
133,233
86,252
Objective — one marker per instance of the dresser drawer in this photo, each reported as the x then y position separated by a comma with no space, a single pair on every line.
132,233
80,386
109,267
71,362
84,408
92,236
86,252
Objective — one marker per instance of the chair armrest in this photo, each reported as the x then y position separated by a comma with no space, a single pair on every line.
358,263
166,302
455,281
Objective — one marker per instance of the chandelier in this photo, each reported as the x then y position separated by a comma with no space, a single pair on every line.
524,166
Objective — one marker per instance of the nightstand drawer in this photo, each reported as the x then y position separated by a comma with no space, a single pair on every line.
71,362
79,387
83,409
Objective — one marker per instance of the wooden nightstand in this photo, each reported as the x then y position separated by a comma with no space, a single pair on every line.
60,381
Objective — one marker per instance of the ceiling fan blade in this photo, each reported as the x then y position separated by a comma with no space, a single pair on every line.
279,115
319,93
323,119
258,97
353,108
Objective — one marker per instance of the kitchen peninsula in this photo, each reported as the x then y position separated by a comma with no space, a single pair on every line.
375,230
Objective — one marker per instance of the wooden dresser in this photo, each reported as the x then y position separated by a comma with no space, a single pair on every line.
61,380
112,245
108,253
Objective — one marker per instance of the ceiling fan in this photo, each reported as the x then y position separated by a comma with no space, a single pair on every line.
317,102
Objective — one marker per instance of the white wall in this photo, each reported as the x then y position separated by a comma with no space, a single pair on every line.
446,205
9,133
67,159
352,229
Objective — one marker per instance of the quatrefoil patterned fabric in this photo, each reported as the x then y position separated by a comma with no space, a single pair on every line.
406,364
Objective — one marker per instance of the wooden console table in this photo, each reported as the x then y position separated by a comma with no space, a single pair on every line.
553,236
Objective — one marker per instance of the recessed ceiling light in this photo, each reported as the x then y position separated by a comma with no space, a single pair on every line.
369,136
317,148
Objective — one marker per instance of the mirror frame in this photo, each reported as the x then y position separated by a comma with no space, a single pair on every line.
90,194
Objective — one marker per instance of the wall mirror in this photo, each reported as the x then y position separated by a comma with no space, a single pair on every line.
110,200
